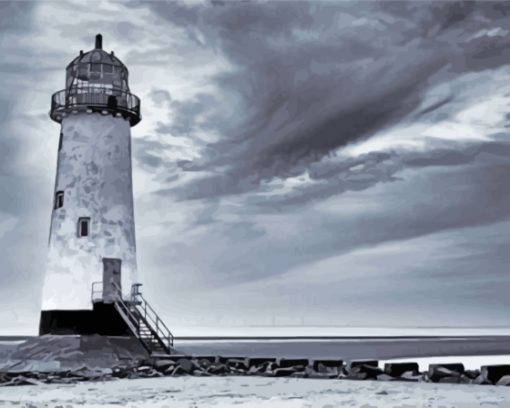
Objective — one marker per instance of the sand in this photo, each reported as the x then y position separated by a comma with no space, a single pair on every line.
256,392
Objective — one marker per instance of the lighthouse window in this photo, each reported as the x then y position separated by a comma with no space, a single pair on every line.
60,141
107,68
83,72
59,199
95,67
83,226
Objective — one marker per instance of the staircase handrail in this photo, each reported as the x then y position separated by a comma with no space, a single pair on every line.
160,325
119,300
124,310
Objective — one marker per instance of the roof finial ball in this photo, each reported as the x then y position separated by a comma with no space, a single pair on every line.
99,42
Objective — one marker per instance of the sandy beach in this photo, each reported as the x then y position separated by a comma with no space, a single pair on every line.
224,392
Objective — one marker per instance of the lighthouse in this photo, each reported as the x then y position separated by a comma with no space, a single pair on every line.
92,250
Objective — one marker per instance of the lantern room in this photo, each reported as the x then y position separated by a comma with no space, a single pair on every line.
97,68
96,81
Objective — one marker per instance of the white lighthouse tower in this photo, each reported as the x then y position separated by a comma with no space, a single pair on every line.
92,234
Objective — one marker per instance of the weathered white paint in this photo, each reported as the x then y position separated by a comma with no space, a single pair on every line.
94,171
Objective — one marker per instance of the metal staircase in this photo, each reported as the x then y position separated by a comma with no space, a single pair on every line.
141,319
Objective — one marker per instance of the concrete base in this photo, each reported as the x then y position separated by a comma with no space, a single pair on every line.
53,353
103,320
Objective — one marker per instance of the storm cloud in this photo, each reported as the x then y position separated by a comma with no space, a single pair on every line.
314,77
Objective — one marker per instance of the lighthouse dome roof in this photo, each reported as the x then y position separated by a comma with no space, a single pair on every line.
97,56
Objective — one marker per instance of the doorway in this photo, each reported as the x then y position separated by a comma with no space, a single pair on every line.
111,278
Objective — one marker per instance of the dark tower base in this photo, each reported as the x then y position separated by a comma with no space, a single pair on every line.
103,320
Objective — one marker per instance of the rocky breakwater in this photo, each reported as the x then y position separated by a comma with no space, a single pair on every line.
76,366
325,369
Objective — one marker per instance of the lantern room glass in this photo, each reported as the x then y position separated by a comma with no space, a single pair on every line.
100,72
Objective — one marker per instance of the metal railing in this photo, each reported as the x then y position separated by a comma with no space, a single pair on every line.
96,99
151,317
129,317
134,310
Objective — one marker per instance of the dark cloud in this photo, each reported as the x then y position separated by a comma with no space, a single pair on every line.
438,198
146,152
308,80
160,96
190,114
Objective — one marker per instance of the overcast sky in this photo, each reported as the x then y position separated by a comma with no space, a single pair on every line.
315,163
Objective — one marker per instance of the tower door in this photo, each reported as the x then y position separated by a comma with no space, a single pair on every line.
111,277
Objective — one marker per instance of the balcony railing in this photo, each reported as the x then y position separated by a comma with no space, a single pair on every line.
95,99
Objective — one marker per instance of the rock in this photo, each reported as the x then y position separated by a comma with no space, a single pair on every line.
330,371
410,376
217,369
324,366
169,370
185,365
269,369
120,372
283,372
365,371
259,361
482,380
493,373
254,370
151,373
505,380
356,363
163,364
20,380
239,364
179,371
438,371
309,372
397,369
203,363
293,362
472,374
372,372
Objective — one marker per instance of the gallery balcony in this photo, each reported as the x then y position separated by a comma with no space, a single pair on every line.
93,99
